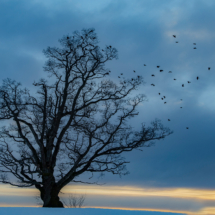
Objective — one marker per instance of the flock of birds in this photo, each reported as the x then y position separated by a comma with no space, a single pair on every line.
161,70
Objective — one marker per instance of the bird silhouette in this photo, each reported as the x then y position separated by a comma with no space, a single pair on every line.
181,99
170,71
188,82
118,76
158,66
161,70
176,42
132,79
110,46
144,64
109,71
180,107
67,38
138,76
194,43
134,70
121,73
102,49
168,119
174,36
152,84
159,93
197,78
194,48
162,98
187,127
164,102
124,81
153,75
182,85
174,79
209,68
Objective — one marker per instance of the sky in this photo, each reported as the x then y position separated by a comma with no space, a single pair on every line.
177,173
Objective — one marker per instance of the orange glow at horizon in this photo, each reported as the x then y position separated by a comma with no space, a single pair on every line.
124,191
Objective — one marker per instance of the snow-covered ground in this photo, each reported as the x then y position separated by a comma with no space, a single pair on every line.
75,211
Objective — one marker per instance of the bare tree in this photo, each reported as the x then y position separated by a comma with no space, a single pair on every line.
75,125
75,201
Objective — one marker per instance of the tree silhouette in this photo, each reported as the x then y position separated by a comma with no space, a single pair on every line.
68,128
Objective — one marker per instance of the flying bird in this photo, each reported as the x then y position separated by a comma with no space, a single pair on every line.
121,73
134,70
197,77
161,70
209,68
194,48
164,102
103,50
168,119
174,79
194,43
67,38
174,36
153,75
182,85
176,42
187,127
170,71
138,76
162,98
144,64
180,107
118,76
152,84
159,93
158,66
188,82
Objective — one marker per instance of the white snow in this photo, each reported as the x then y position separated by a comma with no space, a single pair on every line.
75,211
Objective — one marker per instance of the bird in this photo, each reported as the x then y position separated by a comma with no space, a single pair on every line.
138,76
121,73
144,64
188,82
164,97
174,36
197,77
152,84
182,85
170,71
176,42
168,119
209,68
181,99
174,79
159,93
109,71
153,75
102,49
132,79
67,38
180,107
187,127
118,76
164,102
124,81
110,46
158,66
90,89
161,70
91,83
194,43
134,70
194,48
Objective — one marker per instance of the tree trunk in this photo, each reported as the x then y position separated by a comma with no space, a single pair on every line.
49,193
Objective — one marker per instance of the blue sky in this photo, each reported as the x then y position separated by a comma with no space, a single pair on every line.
142,32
